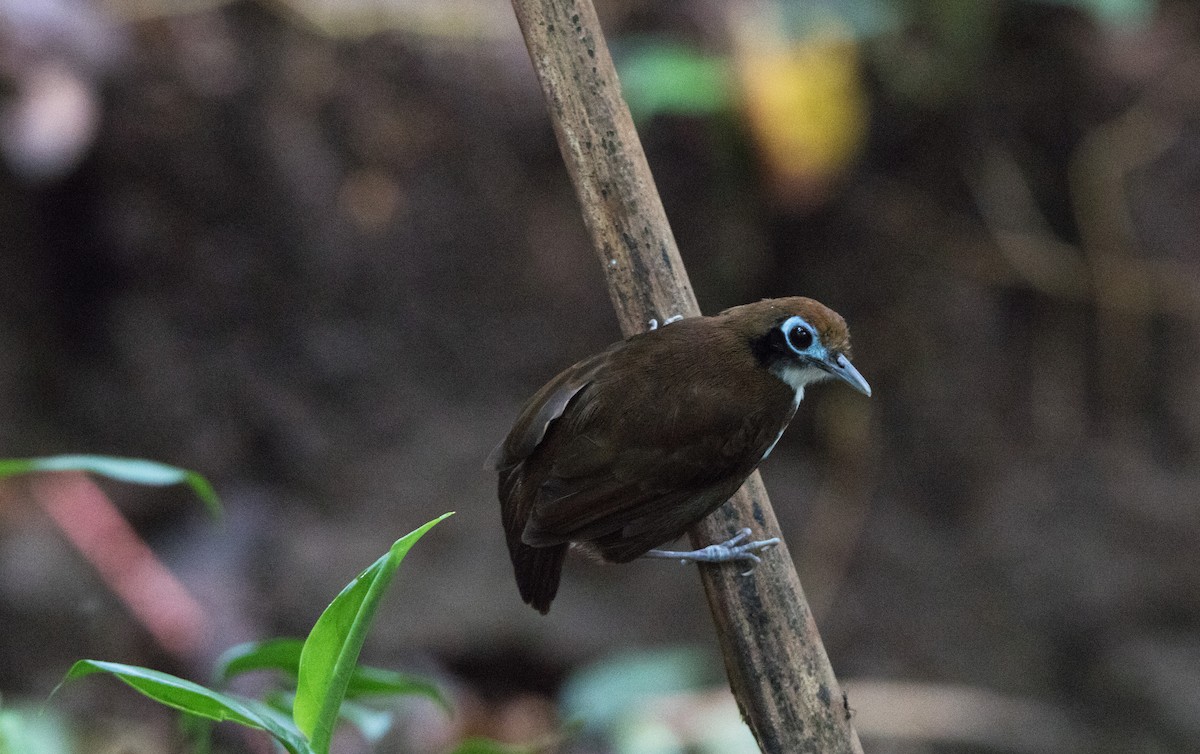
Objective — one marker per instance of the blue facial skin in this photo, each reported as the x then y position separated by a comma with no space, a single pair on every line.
818,361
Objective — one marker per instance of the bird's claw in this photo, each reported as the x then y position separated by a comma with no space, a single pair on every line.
734,551
730,551
667,321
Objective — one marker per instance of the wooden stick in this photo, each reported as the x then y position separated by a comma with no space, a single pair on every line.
777,666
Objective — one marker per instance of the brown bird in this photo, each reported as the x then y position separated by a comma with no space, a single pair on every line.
627,449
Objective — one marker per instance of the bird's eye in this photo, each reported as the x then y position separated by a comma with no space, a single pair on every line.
799,338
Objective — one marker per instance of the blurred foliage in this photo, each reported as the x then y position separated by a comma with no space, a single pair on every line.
652,702
796,67
661,77
487,746
804,105
132,470
601,694
1120,12
31,731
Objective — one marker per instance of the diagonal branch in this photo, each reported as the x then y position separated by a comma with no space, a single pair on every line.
776,663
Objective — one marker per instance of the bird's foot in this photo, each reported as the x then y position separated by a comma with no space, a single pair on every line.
667,321
729,551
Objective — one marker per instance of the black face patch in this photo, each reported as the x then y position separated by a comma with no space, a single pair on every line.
770,347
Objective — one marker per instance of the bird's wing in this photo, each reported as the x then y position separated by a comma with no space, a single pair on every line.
642,477
519,476
544,407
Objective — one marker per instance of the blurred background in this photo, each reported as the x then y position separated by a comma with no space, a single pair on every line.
321,252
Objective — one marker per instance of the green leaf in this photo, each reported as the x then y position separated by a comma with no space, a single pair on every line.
134,470
370,681
331,650
373,724
29,731
197,731
667,77
281,719
1115,12
195,699
488,746
283,655
608,691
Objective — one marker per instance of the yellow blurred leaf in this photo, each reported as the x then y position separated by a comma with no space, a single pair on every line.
804,103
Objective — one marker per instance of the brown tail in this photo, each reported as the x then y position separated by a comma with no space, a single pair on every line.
538,570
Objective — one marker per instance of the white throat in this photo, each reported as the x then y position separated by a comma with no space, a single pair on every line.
797,377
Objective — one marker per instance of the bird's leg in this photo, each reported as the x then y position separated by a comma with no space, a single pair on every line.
667,321
731,550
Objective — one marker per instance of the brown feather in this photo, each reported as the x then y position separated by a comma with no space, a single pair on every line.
627,449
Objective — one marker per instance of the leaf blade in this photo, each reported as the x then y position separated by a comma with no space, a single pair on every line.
331,650
132,470
371,681
282,654
194,699
478,745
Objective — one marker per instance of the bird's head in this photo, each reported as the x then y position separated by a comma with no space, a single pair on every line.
799,340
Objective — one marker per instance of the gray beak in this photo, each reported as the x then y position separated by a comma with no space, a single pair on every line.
839,366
